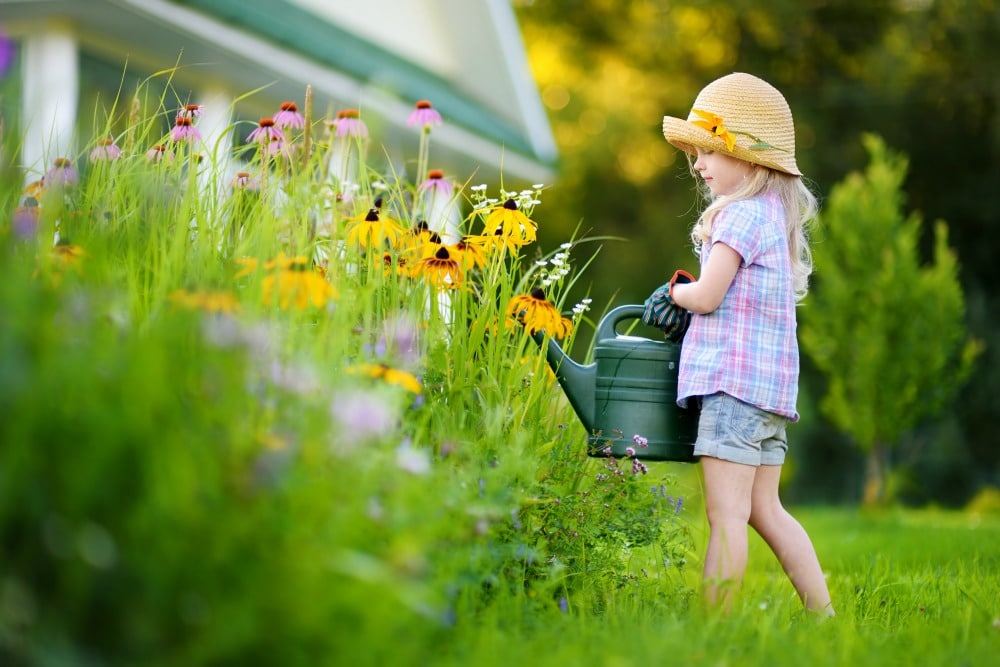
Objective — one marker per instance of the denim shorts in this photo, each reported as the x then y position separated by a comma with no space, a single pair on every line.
732,430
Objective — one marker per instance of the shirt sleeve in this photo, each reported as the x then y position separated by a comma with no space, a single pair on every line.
737,225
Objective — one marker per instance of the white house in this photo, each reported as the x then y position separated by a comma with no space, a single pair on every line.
379,56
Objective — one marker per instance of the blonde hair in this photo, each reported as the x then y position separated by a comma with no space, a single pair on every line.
800,207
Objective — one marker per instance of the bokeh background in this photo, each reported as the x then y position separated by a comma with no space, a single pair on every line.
919,73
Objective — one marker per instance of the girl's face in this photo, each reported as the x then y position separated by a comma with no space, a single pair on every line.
722,173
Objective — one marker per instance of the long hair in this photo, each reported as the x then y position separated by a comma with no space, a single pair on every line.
798,201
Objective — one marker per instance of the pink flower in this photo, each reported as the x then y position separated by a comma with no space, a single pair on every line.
424,115
289,117
25,221
266,132
244,181
349,124
61,173
184,129
436,184
159,153
191,111
105,150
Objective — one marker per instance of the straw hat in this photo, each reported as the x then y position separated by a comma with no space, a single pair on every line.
742,115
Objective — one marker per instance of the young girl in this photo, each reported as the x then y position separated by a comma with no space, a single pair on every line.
740,357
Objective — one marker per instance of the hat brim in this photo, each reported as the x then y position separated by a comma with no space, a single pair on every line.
689,137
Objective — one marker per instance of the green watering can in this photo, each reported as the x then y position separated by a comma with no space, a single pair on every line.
630,389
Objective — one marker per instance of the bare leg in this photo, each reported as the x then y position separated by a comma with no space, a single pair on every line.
788,540
728,492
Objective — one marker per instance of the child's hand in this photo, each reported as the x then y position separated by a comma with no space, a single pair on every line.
661,312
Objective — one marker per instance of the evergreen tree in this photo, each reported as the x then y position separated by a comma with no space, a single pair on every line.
886,329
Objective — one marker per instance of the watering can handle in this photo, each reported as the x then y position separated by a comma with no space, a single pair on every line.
607,327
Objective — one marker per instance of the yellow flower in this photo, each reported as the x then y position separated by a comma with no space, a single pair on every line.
249,265
714,124
537,314
468,254
510,223
212,302
296,284
400,378
67,254
373,230
440,269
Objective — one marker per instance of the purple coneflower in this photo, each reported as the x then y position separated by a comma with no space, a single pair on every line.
349,124
184,129
289,116
25,221
191,111
244,181
105,150
436,184
159,153
61,173
265,133
424,115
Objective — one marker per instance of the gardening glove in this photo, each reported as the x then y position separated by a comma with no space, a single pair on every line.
661,311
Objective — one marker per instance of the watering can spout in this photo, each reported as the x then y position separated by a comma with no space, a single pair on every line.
578,381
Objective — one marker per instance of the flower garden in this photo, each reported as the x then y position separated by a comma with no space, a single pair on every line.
282,402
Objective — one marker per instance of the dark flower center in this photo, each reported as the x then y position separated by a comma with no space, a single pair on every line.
538,294
372,215
510,205
442,253
289,106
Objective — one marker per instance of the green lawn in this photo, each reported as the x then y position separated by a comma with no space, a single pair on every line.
910,587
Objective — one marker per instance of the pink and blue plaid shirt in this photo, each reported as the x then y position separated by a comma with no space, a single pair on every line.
747,346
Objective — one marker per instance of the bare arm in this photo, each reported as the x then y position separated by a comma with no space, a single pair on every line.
706,294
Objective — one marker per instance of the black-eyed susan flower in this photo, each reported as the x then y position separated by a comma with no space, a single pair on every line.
209,301
35,189
440,269
469,255
537,314
395,376
509,222
296,284
374,229
715,125
67,254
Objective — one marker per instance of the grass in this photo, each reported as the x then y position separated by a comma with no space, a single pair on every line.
911,587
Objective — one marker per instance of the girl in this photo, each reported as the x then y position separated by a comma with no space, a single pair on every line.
740,356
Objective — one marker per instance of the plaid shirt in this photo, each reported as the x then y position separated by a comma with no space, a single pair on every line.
747,346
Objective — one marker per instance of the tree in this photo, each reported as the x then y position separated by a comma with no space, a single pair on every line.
886,330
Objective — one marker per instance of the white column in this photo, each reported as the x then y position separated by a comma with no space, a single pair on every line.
50,75
217,135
